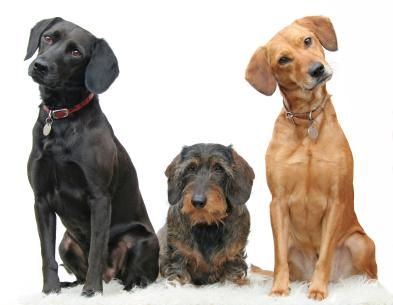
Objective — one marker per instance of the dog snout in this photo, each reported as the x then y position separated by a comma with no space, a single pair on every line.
40,66
199,200
316,70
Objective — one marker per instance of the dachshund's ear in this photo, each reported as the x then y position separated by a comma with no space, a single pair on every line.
240,185
36,32
259,73
102,69
174,187
323,28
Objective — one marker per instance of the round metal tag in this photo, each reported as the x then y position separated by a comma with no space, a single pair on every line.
46,130
312,132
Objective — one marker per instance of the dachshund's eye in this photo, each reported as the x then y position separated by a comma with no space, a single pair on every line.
76,53
218,168
284,60
48,39
307,41
191,169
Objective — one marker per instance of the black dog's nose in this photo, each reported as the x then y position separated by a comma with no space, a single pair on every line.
317,70
40,66
199,201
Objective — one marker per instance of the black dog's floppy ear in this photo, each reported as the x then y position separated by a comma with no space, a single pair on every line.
102,69
36,32
174,187
240,185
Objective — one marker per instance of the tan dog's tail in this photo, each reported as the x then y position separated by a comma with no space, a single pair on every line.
260,271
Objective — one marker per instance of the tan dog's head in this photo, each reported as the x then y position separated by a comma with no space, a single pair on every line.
294,57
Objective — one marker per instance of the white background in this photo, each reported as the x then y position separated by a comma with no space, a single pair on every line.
182,81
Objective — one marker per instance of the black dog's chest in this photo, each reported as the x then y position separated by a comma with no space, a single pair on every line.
56,175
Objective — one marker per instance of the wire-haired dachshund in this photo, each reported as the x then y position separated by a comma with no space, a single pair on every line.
204,239
80,171
309,164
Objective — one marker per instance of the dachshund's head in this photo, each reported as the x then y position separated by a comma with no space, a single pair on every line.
207,181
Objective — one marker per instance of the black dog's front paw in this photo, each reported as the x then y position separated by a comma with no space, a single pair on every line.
51,287
138,281
89,291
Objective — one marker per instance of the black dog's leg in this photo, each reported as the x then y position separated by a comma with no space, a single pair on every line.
100,209
142,263
74,259
46,224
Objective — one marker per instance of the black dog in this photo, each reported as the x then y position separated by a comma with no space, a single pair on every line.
80,171
208,223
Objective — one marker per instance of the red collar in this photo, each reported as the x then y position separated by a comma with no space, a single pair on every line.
65,112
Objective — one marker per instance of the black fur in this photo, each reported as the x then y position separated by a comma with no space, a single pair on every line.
80,171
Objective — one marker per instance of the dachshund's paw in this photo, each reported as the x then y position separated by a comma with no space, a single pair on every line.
241,281
52,287
174,282
178,279
317,293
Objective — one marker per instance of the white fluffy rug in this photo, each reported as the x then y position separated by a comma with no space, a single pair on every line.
356,290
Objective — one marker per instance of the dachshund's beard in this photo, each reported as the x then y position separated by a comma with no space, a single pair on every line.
214,212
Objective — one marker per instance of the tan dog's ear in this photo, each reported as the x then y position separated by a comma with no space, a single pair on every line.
323,28
259,74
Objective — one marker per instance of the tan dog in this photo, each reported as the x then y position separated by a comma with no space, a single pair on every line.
309,164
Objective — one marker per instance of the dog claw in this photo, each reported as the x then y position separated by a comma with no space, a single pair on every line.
51,288
279,292
317,294
88,293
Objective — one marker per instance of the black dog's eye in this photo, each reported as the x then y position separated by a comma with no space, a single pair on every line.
284,60
48,39
76,53
218,168
307,41
191,169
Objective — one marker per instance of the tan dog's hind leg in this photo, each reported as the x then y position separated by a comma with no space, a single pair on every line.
362,249
280,224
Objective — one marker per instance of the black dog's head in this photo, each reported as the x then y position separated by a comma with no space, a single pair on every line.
208,179
70,57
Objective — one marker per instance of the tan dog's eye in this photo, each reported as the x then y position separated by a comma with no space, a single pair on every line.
284,60
307,41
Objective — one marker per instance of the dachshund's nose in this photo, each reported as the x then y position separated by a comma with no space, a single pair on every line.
316,70
199,201
40,66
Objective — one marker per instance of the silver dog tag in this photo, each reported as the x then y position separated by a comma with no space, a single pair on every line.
48,125
312,132
47,128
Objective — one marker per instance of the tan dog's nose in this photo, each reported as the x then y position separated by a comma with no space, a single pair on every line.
316,70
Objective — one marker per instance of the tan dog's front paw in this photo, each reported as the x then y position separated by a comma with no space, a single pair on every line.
317,293
279,292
